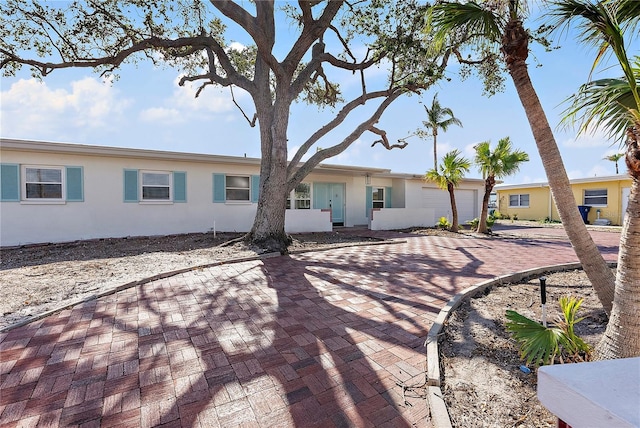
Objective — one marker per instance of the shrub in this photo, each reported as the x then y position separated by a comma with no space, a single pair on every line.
443,223
541,345
473,223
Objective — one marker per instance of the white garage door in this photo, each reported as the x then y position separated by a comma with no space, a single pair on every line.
466,202
439,201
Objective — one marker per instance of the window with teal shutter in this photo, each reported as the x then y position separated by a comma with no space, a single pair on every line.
131,185
218,188
369,200
387,197
9,182
255,188
75,187
179,186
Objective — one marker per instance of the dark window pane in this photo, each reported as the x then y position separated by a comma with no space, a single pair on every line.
595,201
155,179
237,194
303,191
378,204
378,195
43,175
524,200
234,181
44,191
304,204
161,193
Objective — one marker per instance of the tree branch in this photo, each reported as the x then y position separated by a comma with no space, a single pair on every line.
252,122
385,141
333,124
296,177
115,60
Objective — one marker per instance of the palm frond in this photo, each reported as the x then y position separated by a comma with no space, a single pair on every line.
476,21
605,104
538,344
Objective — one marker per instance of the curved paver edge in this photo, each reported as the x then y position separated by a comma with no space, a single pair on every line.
171,273
437,406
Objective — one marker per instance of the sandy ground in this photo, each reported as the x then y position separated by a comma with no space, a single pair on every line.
483,384
40,278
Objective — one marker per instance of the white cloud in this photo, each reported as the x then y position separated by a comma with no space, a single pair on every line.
600,170
211,100
592,138
162,115
576,173
32,109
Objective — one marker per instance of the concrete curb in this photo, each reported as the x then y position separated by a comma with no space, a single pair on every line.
169,274
437,405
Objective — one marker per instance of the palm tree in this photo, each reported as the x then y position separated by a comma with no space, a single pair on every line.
499,163
615,158
438,117
613,105
448,176
500,24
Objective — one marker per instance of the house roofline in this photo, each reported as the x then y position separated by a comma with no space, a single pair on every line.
619,177
126,152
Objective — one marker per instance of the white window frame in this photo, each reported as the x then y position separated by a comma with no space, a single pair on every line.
227,188
520,205
24,182
293,198
380,202
586,200
169,175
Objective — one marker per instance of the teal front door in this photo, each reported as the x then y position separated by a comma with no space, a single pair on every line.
330,196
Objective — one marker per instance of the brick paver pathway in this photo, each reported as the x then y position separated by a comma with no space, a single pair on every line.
325,338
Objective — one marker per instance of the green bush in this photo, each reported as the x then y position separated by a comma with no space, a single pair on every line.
443,223
473,223
542,345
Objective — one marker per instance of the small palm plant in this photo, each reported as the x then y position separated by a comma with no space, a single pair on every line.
542,345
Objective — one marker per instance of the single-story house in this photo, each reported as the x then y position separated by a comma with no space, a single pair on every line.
606,198
54,192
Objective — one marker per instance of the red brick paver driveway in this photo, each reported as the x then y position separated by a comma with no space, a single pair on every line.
327,338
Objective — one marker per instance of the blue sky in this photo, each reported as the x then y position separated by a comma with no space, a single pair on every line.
145,108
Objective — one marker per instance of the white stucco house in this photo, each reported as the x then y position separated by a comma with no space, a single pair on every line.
54,192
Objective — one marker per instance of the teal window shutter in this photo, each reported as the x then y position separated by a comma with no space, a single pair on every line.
369,200
131,185
219,188
255,188
75,186
387,197
179,186
9,182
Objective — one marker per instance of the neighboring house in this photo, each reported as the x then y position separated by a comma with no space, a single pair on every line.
53,192
607,198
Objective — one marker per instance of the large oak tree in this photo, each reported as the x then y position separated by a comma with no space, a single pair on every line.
318,41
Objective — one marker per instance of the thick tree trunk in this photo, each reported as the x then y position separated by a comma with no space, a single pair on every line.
593,263
488,187
454,208
622,336
268,231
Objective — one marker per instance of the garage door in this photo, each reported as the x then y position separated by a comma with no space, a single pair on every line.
439,201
